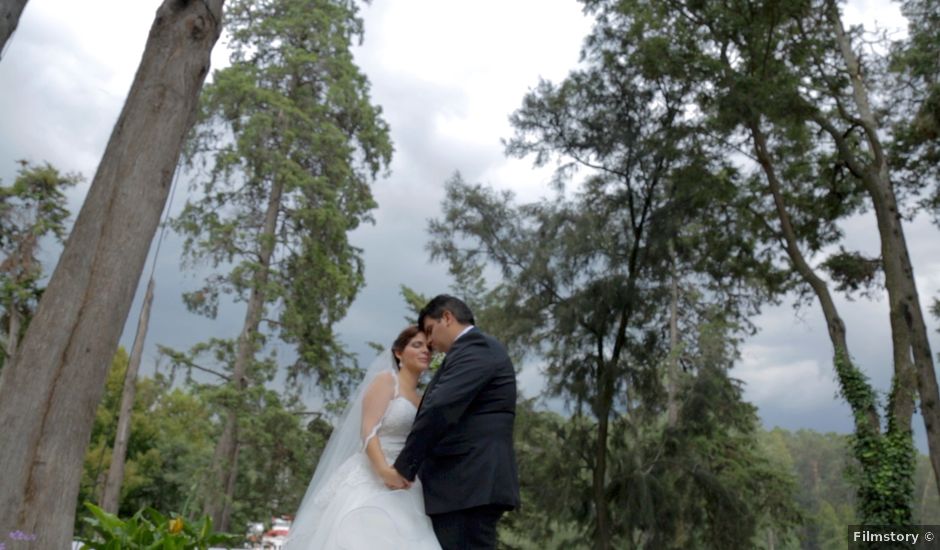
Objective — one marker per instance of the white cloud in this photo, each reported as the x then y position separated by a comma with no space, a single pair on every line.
773,381
874,14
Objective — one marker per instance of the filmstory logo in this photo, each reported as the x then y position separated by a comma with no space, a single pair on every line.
870,536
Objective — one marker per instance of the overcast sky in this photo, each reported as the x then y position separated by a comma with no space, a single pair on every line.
447,75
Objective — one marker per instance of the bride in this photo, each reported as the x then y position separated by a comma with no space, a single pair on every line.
356,500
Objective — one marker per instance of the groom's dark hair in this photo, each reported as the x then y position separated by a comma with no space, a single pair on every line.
444,302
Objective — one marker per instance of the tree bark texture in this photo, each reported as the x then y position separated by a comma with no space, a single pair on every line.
13,339
48,397
10,12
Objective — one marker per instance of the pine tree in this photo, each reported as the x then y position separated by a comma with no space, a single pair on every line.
287,145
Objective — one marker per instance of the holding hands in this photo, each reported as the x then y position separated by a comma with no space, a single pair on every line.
394,480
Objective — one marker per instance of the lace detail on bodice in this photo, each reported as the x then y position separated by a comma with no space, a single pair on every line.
357,470
395,426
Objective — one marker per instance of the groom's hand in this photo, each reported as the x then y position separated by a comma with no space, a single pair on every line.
394,480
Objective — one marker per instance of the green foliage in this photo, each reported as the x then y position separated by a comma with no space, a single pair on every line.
32,208
769,79
415,301
826,496
287,128
587,287
826,473
552,482
171,447
586,275
148,529
915,62
853,271
34,205
884,480
705,482
279,446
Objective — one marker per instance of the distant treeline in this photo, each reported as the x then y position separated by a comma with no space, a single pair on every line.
824,469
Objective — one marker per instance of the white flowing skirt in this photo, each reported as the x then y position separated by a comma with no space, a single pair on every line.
356,511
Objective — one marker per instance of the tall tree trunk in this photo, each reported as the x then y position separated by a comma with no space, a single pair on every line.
922,509
216,505
49,395
872,447
13,339
672,383
230,487
111,495
602,408
865,413
907,319
10,11
605,398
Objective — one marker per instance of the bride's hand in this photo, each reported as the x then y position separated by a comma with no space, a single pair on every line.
392,479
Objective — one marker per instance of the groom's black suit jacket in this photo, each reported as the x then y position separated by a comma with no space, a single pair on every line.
461,441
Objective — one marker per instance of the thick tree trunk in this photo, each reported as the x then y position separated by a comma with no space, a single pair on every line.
10,11
217,504
111,495
907,319
48,397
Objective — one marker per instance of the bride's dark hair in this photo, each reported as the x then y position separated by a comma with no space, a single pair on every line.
404,337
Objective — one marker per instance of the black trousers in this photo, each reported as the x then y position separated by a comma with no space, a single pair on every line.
470,529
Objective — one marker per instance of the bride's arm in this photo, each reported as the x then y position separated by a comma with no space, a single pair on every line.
374,403
377,458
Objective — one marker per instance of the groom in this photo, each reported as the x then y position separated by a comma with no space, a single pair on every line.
461,440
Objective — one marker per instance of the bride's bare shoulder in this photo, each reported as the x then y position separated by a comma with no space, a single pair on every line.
384,381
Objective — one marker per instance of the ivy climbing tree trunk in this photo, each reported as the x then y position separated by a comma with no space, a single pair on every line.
909,330
48,396
877,501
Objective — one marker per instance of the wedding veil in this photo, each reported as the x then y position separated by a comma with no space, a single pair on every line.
347,439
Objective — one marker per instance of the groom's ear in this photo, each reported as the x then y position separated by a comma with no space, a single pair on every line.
446,315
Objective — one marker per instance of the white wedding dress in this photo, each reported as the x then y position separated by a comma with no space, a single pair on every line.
354,510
